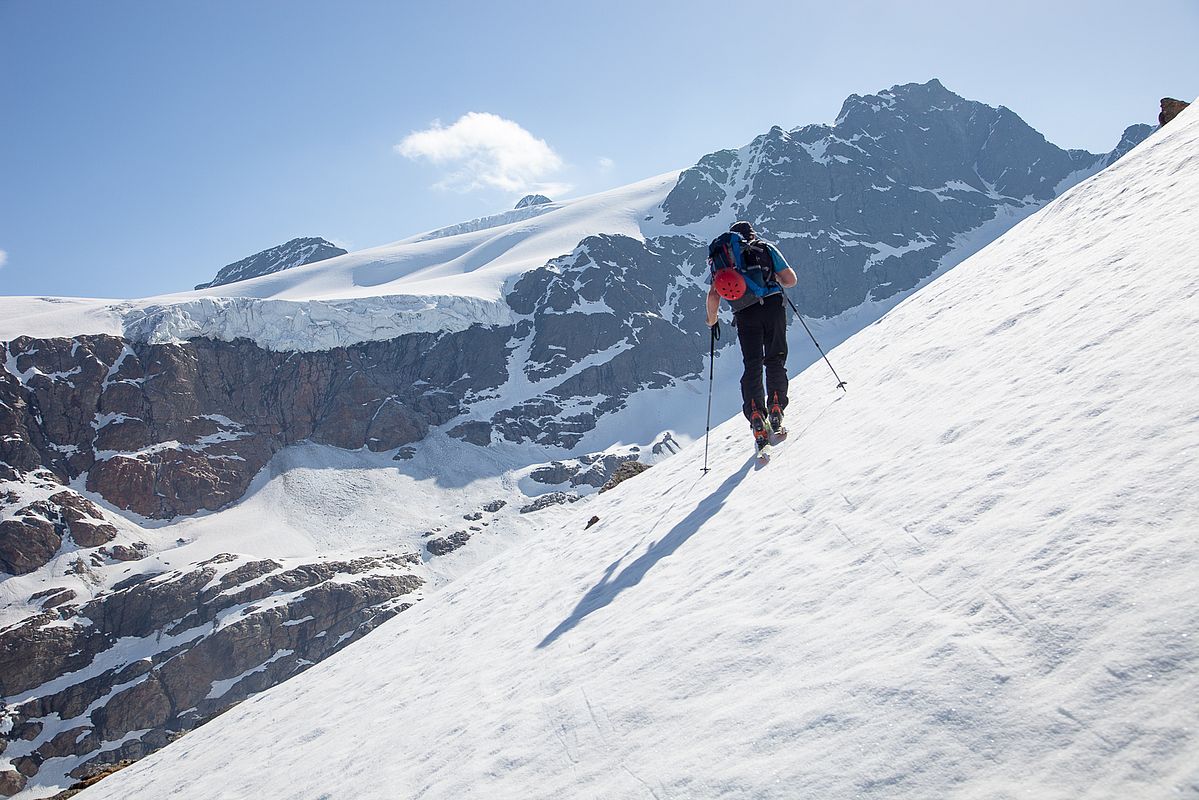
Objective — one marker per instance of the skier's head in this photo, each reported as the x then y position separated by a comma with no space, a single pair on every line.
745,230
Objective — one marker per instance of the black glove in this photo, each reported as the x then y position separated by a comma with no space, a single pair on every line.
716,330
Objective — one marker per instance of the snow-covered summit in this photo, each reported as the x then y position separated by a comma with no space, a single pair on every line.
276,259
532,200
971,576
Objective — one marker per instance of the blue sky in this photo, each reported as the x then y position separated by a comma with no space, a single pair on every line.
145,145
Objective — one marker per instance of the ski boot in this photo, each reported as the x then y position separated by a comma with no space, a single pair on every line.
775,418
761,428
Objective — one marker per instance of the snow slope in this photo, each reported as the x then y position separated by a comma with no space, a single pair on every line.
443,280
974,575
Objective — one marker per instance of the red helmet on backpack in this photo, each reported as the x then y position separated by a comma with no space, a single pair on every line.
729,284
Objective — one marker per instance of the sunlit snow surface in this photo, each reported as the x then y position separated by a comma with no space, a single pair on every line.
974,575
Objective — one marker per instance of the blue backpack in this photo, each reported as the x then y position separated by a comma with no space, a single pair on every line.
737,270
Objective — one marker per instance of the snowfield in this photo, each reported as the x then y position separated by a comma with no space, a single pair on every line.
974,575
443,280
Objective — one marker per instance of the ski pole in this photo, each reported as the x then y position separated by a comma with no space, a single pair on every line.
711,372
840,383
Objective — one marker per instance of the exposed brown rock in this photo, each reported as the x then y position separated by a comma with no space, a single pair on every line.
27,543
83,519
64,743
11,782
93,775
122,552
1171,108
51,598
475,432
626,470
448,544
28,731
551,499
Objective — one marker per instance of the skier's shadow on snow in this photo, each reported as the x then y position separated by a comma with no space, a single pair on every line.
609,587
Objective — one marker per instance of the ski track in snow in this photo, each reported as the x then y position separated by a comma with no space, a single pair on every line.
971,576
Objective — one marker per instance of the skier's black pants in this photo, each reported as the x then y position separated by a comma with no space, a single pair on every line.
762,331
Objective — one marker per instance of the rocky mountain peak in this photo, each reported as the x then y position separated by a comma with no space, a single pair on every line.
877,203
294,253
532,200
1133,135
931,95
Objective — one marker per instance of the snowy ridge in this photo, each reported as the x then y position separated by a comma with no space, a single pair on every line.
978,579
483,223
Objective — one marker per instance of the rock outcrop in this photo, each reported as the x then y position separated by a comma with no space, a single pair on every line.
120,675
1171,108
547,500
595,469
295,253
37,531
629,469
442,545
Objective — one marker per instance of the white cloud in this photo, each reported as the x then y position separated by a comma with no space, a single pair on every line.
606,163
485,150
3,258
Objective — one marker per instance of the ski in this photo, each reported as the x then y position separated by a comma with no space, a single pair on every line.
764,453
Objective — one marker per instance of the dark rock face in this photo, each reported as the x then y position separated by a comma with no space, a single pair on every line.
207,638
27,544
1171,108
614,316
164,430
533,200
275,259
